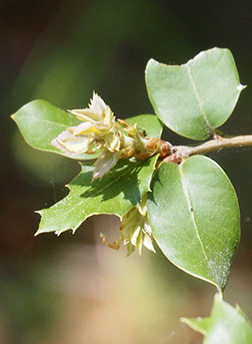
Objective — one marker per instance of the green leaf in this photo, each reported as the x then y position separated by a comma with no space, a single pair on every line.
117,192
226,325
149,123
195,98
40,122
194,215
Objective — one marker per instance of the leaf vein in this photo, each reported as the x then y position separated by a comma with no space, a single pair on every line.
190,206
35,119
99,191
198,98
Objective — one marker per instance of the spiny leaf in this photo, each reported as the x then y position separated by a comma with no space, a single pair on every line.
115,193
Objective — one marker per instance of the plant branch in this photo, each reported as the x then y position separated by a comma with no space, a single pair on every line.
212,145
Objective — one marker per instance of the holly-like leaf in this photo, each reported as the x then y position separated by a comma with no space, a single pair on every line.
117,192
194,214
40,122
226,325
195,98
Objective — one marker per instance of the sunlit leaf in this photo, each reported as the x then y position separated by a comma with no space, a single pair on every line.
195,98
117,192
194,215
226,325
40,122
150,124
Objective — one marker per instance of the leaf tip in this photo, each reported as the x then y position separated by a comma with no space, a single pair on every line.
241,87
194,324
74,230
151,62
13,117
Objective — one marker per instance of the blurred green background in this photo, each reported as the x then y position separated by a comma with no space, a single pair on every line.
73,289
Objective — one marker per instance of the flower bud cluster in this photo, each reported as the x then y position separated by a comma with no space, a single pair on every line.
135,229
100,132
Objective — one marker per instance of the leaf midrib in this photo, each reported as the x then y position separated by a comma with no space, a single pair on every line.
202,110
190,206
35,119
114,181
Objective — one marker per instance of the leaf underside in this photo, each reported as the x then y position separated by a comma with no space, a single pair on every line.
194,214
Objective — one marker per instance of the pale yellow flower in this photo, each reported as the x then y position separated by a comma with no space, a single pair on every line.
135,229
97,130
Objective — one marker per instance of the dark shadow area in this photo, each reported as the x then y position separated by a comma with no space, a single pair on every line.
123,178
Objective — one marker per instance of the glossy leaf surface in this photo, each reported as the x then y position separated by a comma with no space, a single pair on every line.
226,325
149,123
115,193
40,122
194,214
195,98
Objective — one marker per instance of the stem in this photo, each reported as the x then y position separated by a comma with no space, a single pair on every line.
213,145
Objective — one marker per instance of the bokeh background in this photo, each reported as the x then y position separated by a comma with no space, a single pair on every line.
73,289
